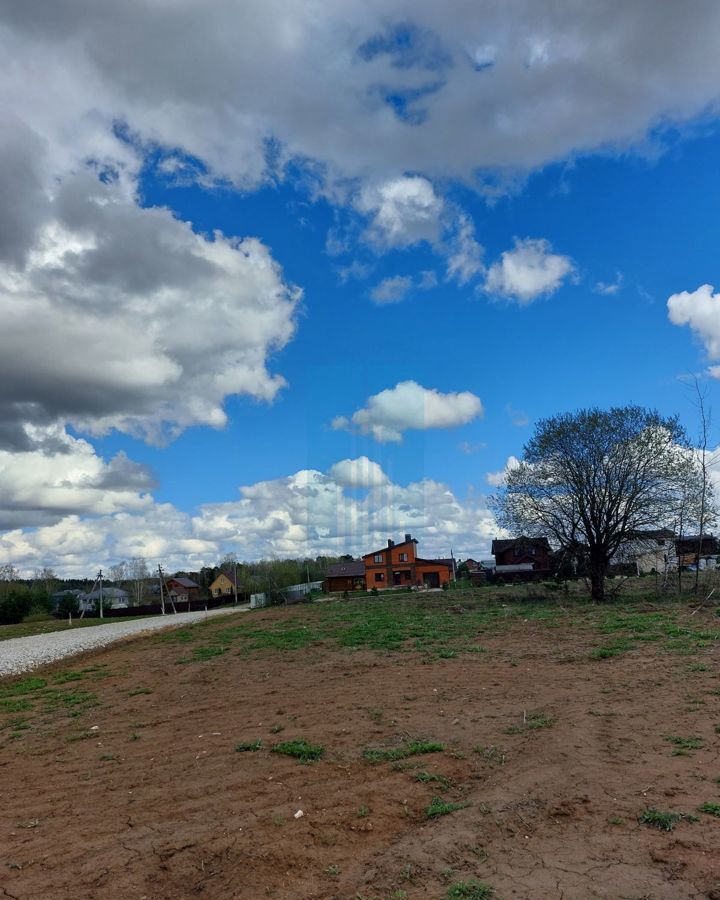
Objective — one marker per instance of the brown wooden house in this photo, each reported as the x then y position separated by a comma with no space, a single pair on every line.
398,565
345,576
521,551
689,550
182,588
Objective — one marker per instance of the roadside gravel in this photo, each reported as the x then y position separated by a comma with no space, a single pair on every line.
19,655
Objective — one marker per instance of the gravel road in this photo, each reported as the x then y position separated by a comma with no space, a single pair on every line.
22,654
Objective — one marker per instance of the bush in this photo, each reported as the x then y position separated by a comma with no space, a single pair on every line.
69,605
15,605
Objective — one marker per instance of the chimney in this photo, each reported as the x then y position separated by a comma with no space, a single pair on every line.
408,537
390,543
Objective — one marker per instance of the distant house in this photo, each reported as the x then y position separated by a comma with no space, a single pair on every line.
698,550
398,565
182,588
651,550
529,554
226,584
345,576
111,597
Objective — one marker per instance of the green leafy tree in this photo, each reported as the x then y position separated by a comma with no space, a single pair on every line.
588,479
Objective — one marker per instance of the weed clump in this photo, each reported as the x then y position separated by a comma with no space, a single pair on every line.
248,746
712,809
412,748
470,890
439,807
664,821
300,749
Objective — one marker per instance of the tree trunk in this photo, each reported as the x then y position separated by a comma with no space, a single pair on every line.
597,587
598,567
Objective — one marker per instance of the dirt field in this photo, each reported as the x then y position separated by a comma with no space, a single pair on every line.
559,728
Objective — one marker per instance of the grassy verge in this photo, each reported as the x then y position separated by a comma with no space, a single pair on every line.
46,626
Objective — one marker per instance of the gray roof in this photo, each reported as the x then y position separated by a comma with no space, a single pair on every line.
354,569
184,582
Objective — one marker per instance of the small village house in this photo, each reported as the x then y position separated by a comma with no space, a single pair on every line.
345,576
651,550
181,588
226,584
697,550
530,554
398,565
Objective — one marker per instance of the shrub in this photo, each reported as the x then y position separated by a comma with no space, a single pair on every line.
15,605
69,605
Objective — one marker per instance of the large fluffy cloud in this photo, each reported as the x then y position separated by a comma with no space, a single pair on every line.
62,475
306,513
700,310
528,271
409,405
118,316
371,88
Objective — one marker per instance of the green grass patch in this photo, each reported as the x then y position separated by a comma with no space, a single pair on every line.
683,745
664,821
712,809
201,654
442,781
411,748
532,722
439,807
300,749
248,746
470,890
25,686
15,705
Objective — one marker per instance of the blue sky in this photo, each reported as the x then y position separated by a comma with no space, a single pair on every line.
279,314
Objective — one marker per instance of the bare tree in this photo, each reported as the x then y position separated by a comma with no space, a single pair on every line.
590,479
9,572
138,573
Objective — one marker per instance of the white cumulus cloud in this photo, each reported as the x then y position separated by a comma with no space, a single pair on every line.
409,405
403,211
700,310
497,479
358,473
528,271
391,290
58,475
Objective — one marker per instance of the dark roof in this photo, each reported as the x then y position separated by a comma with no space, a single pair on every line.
352,569
651,534
498,546
435,562
710,545
184,582
386,548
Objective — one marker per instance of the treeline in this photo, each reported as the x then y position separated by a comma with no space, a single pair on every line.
23,597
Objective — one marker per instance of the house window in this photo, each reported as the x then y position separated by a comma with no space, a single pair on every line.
378,557
379,576
403,557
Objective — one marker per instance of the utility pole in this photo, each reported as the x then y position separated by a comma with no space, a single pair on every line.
100,578
235,580
162,596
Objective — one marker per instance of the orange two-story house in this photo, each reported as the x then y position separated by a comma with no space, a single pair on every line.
398,565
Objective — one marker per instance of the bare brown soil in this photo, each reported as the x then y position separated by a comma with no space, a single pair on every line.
156,803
